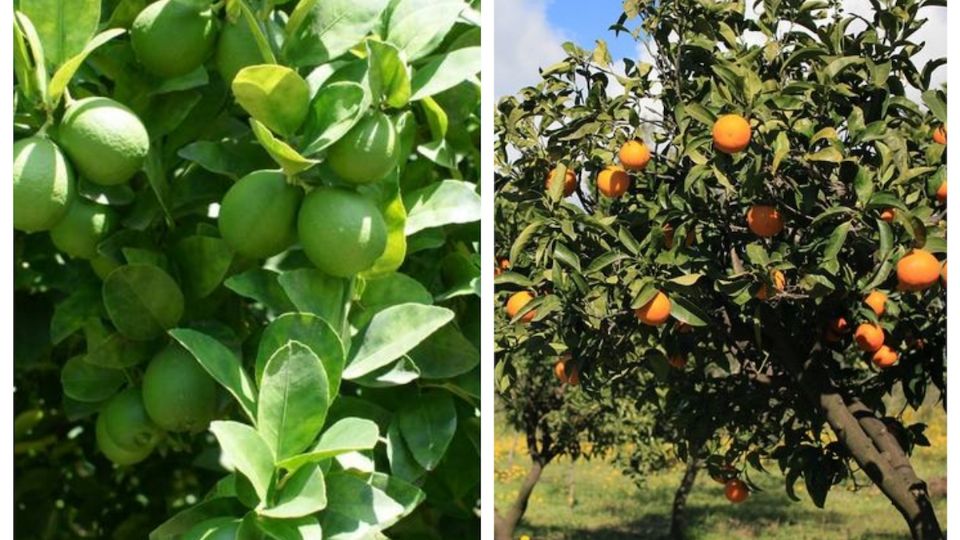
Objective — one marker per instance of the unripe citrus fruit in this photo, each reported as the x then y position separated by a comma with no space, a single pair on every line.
613,181
869,337
104,140
634,155
656,311
942,192
367,152
779,282
178,393
103,265
258,215
940,135
43,184
341,232
172,38
764,221
877,302
114,452
888,214
127,423
516,302
84,226
236,49
736,491
569,181
731,133
917,270
884,357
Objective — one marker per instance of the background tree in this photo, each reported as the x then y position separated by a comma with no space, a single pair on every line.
791,176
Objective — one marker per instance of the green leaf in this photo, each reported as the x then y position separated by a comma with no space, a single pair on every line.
392,333
444,72
334,110
87,382
836,240
781,148
437,118
35,76
63,27
293,400
310,330
233,158
402,463
416,27
387,195
247,452
565,255
142,301
428,426
194,515
322,31
263,286
61,78
288,158
836,66
222,365
203,261
687,311
444,203
301,528
111,350
444,354
345,436
388,74
828,154
302,494
71,314
935,102
274,95
312,291
359,508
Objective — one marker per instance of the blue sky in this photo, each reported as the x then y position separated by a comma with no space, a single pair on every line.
585,21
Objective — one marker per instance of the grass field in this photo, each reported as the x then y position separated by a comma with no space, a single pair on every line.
609,506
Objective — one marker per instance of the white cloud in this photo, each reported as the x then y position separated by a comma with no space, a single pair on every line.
525,42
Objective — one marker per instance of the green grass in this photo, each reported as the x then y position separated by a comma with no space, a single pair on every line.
609,506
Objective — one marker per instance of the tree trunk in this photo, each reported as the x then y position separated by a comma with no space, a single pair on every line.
504,525
913,504
678,519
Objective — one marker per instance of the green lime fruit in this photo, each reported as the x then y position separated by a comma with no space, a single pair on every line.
127,424
173,37
367,152
236,49
115,453
83,228
258,215
341,232
104,140
178,393
43,184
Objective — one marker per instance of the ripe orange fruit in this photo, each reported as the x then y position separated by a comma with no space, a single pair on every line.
677,361
731,133
869,337
566,370
917,270
569,181
884,357
502,266
613,181
877,302
943,275
779,282
838,326
656,311
634,155
888,214
942,192
940,135
764,221
516,302
736,491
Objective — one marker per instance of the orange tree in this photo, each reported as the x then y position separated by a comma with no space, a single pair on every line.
775,261
540,398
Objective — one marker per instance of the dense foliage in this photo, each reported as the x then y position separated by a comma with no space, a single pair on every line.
247,278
